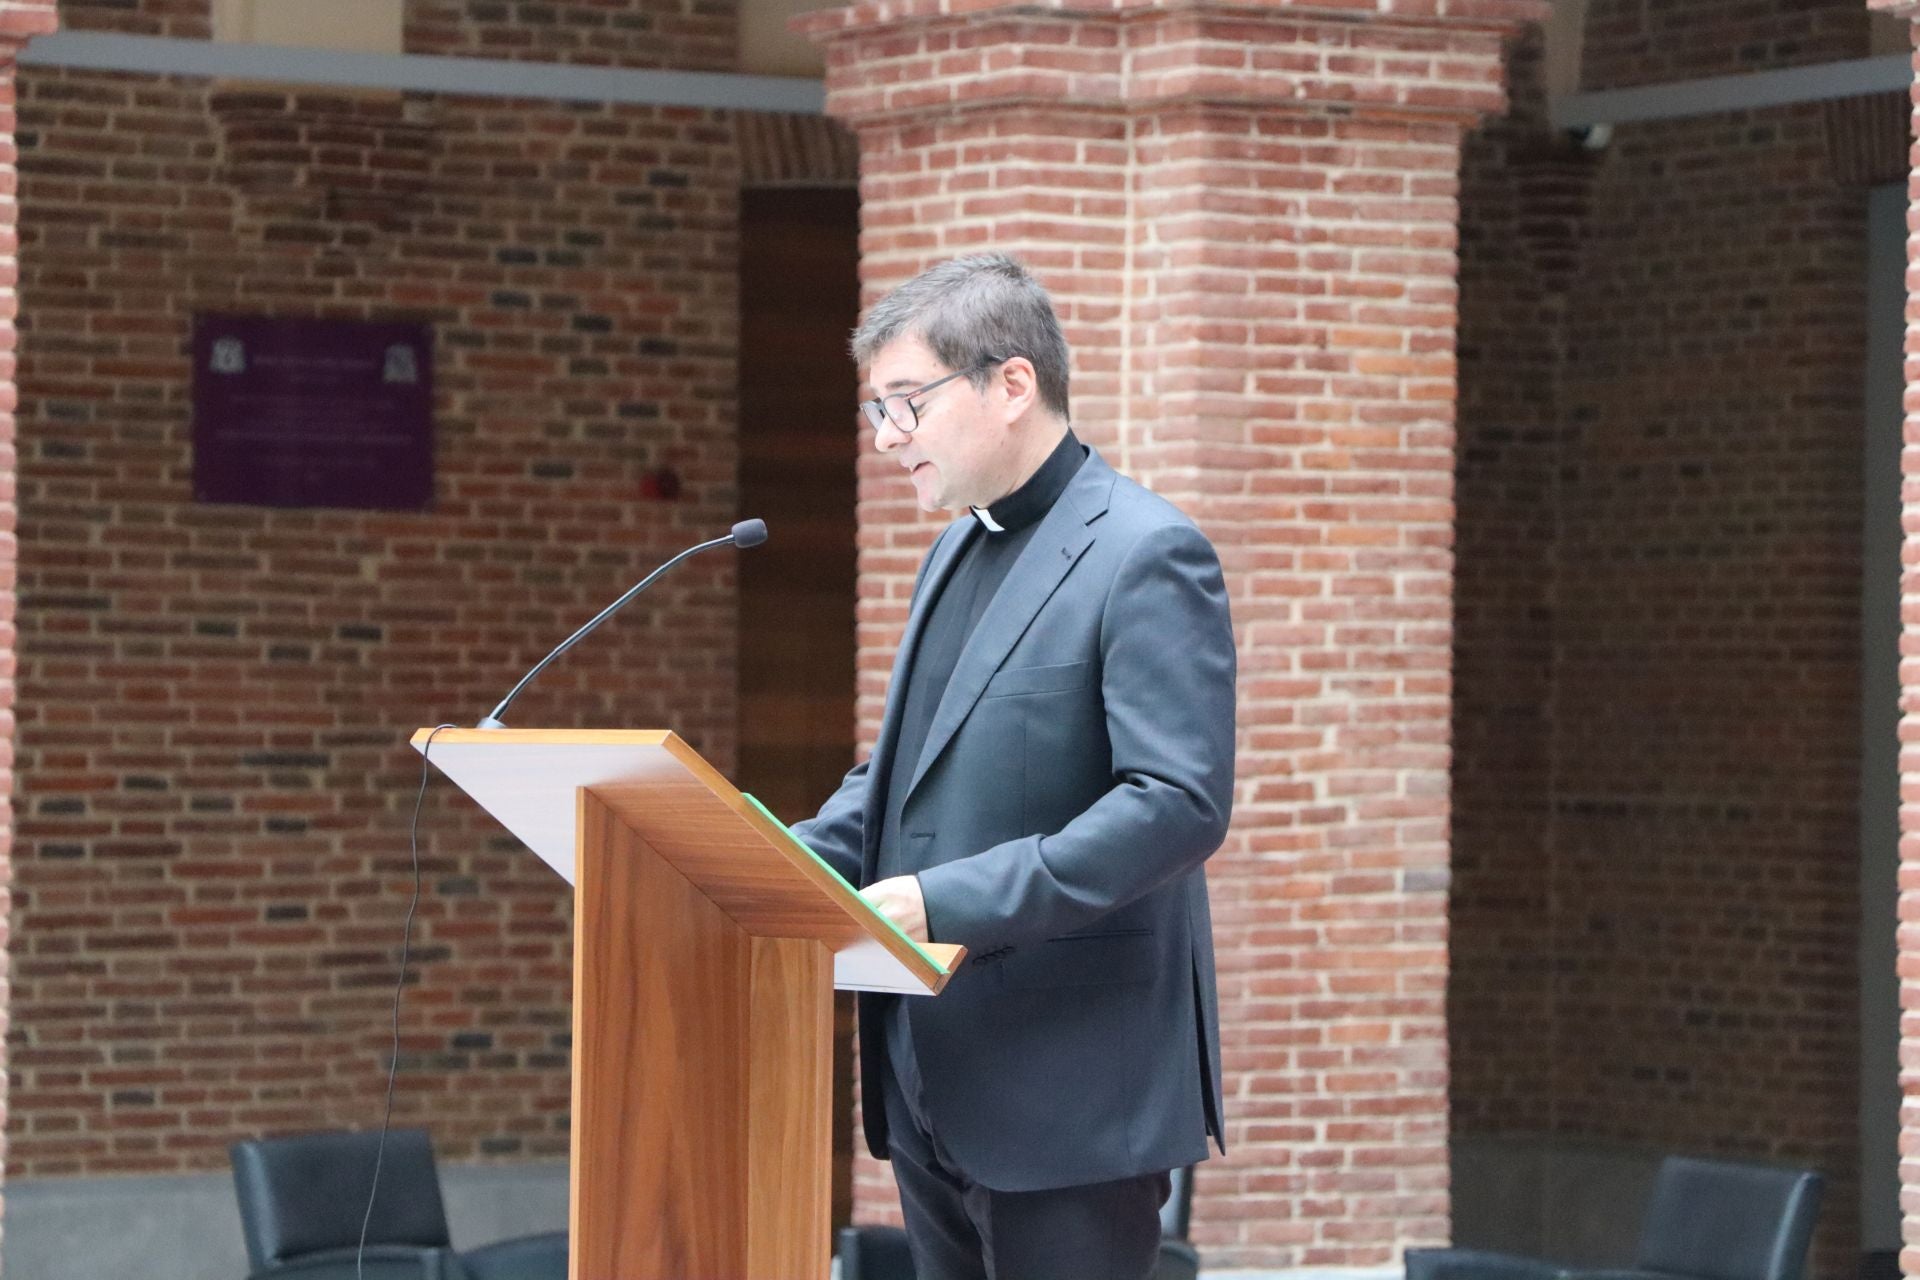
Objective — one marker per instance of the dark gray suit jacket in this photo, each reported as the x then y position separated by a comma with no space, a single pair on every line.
1078,772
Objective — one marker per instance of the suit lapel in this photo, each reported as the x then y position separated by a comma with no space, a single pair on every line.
946,555
1057,545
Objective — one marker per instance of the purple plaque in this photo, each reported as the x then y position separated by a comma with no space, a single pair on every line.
312,413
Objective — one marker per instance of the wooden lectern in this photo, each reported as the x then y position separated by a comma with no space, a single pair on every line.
707,943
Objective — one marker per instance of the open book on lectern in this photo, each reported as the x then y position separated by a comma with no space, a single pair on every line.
723,841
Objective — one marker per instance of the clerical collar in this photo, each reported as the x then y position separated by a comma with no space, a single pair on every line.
1032,500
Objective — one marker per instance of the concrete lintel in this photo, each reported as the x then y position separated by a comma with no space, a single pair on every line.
1681,99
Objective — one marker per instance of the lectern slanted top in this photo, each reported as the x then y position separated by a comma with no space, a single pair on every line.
724,842
707,942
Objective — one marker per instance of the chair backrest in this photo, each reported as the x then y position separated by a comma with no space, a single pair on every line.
870,1252
306,1194
1722,1220
1177,1213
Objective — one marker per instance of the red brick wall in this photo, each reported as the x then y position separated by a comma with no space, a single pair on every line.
1523,200
183,19
1658,862
1310,431
211,864
18,19
1638,42
685,35
1706,715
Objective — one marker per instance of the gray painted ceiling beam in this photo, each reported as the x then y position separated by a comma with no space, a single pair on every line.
563,82
1819,83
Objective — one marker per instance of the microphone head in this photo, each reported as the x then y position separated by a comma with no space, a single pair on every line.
749,533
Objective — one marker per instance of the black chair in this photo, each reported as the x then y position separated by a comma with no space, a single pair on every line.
535,1257
880,1253
302,1200
1706,1220
1179,1260
874,1253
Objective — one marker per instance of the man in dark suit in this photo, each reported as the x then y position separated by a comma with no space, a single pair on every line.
1054,764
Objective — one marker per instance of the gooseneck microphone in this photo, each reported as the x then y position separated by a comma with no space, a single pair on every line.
748,533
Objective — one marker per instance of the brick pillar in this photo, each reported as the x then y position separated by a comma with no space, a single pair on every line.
1909,935
20,20
1248,216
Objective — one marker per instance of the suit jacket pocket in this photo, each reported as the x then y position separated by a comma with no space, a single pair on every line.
1081,960
1013,680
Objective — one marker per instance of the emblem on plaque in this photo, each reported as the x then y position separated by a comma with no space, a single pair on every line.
401,366
229,356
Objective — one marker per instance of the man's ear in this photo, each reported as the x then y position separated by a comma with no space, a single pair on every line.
1023,386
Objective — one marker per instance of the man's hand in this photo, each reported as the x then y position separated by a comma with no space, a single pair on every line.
898,899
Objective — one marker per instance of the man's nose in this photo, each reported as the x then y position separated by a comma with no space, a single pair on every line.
889,437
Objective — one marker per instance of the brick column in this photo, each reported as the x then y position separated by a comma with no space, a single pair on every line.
20,20
1248,214
1909,934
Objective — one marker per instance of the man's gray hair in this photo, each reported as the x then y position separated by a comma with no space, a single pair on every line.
970,311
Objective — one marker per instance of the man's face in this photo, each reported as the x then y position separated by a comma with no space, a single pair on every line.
955,456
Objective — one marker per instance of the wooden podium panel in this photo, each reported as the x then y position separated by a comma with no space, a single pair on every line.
790,1106
701,1087
707,942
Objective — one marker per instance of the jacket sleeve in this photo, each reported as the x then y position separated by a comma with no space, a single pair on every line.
1167,682
838,832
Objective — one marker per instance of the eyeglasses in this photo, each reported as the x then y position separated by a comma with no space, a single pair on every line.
899,409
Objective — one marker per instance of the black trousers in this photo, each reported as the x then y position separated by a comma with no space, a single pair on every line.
960,1230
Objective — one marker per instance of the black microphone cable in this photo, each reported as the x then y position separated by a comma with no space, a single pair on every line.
747,533
406,946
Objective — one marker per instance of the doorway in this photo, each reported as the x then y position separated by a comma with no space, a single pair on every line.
799,300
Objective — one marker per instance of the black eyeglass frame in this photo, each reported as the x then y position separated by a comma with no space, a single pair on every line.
875,410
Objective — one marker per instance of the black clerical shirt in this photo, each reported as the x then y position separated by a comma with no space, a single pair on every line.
1006,528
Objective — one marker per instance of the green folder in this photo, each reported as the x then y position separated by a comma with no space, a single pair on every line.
801,845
